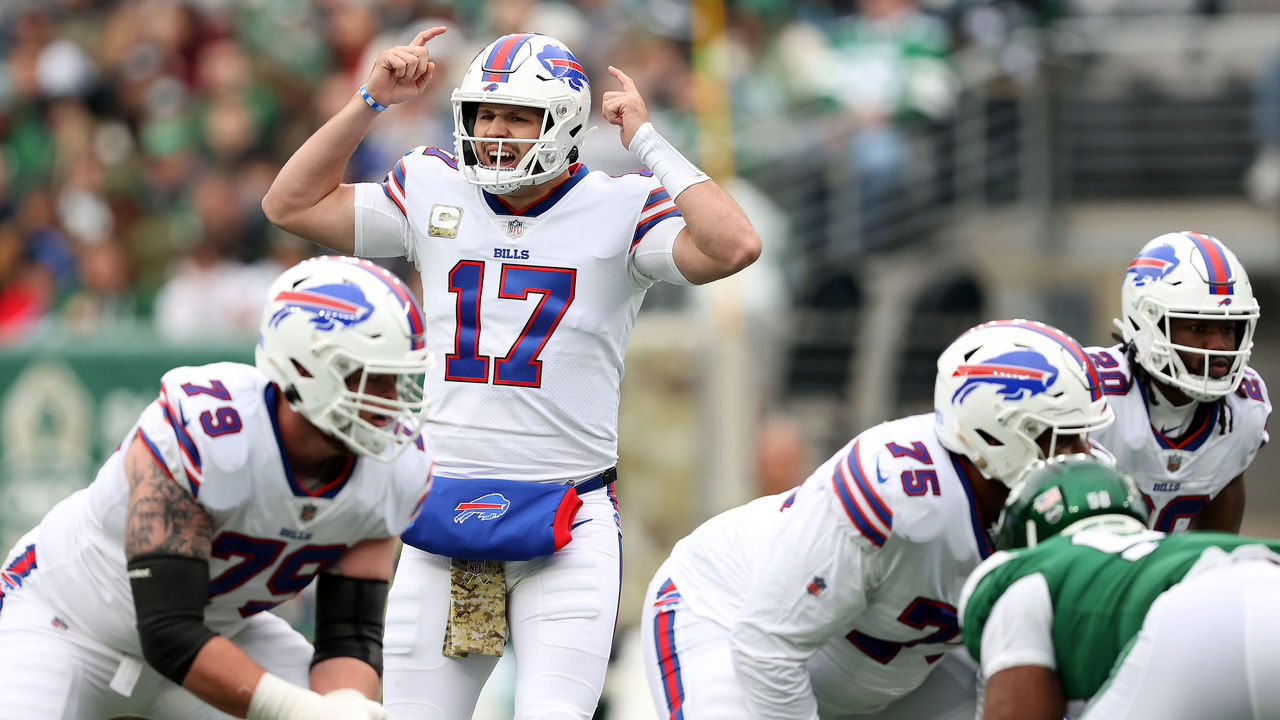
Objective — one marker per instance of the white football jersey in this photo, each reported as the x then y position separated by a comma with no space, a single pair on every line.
528,312
856,573
213,428
1179,476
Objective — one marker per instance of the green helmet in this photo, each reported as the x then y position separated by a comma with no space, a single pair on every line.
1056,494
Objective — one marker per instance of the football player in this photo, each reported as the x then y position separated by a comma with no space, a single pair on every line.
143,594
533,271
1190,413
1095,605
837,599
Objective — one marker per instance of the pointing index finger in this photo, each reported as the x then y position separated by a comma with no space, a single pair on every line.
422,37
628,85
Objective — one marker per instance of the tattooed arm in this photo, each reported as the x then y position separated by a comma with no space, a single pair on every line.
167,541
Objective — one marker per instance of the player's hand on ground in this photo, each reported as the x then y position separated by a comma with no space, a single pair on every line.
402,72
344,704
624,108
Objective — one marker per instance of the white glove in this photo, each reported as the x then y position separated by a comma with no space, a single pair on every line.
275,699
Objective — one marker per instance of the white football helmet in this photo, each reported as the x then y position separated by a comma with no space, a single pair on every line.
1187,275
330,318
1002,384
535,71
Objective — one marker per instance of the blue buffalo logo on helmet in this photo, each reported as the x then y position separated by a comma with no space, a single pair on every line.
329,305
563,66
1152,265
1016,375
485,507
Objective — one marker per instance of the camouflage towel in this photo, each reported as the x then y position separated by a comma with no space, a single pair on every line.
477,608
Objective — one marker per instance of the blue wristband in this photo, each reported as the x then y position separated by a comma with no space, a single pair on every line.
364,93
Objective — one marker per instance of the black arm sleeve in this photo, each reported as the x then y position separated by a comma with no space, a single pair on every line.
349,618
169,595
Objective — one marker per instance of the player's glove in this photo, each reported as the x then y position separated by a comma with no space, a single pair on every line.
275,699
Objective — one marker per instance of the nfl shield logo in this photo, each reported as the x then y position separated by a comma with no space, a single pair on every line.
816,585
1175,462
308,512
515,228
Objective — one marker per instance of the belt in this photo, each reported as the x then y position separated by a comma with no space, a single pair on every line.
608,477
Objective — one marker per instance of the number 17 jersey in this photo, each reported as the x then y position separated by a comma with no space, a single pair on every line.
528,312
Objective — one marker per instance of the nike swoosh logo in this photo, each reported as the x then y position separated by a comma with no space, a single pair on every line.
880,476
580,522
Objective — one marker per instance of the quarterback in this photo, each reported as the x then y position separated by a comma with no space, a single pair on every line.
1190,413
533,271
838,599
143,594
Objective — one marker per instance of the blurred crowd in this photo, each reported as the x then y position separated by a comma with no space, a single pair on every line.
138,136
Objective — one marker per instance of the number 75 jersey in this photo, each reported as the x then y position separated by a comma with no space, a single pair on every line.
528,313
854,576
1178,476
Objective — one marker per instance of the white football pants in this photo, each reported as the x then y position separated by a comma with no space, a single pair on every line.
561,614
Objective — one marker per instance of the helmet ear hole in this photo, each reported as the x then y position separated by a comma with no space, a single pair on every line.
298,368
989,438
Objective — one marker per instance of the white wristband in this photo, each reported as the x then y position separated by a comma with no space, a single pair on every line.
673,171
275,699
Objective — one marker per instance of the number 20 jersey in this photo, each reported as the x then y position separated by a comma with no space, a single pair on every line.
213,429
528,313
1178,476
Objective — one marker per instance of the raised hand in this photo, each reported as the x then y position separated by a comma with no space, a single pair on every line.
624,108
402,72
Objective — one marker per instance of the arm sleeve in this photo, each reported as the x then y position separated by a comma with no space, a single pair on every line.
1019,630
382,228
808,589
653,256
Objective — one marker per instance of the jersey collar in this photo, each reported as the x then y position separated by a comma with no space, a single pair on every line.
577,172
1201,425
980,536
328,490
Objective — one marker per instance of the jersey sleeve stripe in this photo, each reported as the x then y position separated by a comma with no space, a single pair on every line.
647,225
867,511
855,513
877,504
190,454
387,190
155,453
655,197
397,174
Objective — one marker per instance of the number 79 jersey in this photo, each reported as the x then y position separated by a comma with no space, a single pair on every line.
1178,476
528,313
213,431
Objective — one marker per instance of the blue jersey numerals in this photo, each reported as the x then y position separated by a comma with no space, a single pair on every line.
256,555
920,614
554,289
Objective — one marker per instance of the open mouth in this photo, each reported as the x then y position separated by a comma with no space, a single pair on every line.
499,159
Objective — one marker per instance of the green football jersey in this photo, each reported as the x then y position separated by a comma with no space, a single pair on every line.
1101,585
